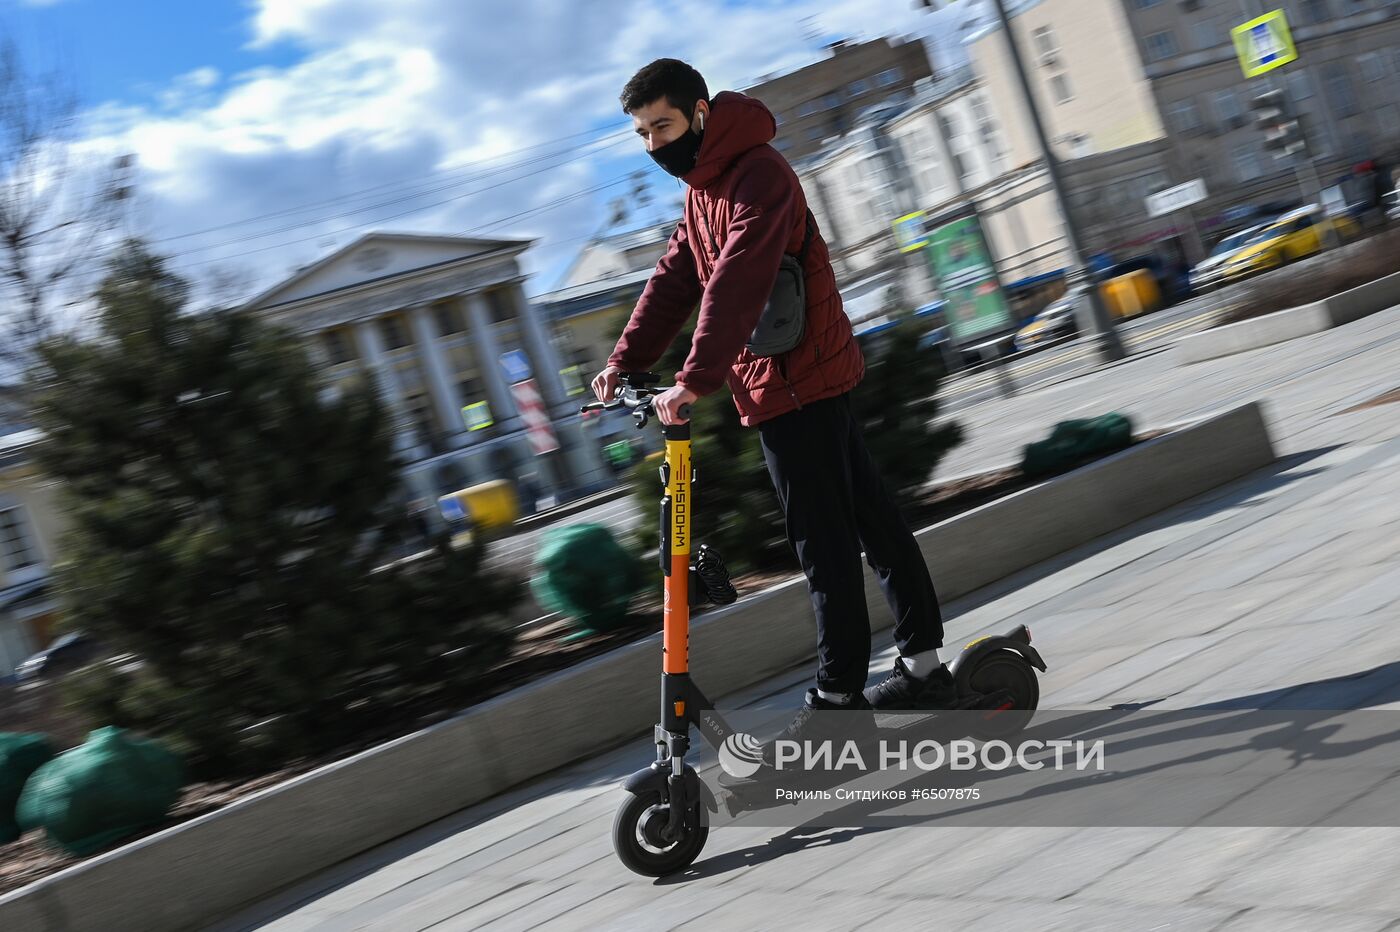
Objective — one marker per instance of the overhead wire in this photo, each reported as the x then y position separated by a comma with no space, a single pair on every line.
475,174
378,220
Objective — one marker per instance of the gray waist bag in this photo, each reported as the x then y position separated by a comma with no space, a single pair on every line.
783,322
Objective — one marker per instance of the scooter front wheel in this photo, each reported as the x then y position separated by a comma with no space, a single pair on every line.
1008,674
637,837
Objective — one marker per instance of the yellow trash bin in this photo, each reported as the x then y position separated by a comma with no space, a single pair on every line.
491,504
1131,294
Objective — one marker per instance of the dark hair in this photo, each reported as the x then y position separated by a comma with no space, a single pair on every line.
680,84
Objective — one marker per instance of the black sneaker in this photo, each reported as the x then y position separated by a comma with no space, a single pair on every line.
858,724
902,691
805,726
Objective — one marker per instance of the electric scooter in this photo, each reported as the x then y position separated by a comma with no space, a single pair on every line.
663,823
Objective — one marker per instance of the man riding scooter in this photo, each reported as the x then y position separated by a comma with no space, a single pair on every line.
746,215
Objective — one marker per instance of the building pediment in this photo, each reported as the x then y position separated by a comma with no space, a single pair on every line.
376,257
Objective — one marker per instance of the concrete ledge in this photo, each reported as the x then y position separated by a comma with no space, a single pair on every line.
208,868
1281,326
1008,535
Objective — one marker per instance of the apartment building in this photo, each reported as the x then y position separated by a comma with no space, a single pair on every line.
823,101
1345,82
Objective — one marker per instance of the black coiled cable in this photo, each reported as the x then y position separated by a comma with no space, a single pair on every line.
710,578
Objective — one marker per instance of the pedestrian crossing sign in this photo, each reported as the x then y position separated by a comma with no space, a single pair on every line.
477,415
909,232
1264,44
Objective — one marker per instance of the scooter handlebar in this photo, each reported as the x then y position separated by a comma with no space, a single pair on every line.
636,393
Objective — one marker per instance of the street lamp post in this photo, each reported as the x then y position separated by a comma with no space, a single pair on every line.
1107,344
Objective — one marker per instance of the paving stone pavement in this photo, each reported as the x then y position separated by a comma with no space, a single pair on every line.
1280,590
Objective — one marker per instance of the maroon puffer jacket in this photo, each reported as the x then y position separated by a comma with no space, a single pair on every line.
756,211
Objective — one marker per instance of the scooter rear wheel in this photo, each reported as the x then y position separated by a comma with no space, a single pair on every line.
1008,673
638,845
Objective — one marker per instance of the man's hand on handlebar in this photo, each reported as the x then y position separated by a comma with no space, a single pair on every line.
668,405
641,396
605,383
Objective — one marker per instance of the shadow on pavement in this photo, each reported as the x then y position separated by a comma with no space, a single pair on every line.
802,838
1318,753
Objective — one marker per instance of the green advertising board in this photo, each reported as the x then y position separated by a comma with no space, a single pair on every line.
967,277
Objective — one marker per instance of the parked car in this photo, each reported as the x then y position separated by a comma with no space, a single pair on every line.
949,357
1056,321
1293,236
1392,205
67,653
1206,274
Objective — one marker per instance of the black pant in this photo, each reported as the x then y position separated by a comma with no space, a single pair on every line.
835,505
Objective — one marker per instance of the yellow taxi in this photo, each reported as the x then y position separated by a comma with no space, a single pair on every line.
1293,236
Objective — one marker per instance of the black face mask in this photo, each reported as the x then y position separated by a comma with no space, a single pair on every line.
679,155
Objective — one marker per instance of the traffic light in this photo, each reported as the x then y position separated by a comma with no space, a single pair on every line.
1284,133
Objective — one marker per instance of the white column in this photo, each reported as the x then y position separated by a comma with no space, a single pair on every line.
580,455
387,385
440,385
544,360
488,358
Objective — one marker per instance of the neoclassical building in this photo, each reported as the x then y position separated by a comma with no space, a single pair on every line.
440,326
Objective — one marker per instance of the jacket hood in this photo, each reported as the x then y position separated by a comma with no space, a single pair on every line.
737,124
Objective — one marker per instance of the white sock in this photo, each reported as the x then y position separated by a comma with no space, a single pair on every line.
838,698
923,664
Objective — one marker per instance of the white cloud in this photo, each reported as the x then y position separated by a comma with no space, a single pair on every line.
387,94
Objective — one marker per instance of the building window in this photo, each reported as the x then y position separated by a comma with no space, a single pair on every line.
1246,163
499,305
392,332
1059,87
420,415
1316,11
1390,115
807,108
337,347
1338,84
888,78
832,101
928,177
1160,45
1147,4
964,170
1183,116
857,87
17,549
1227,108
979,109
1299,87
469,390
1045,41
449,319
1205,34
1081,145
1372,68
814,133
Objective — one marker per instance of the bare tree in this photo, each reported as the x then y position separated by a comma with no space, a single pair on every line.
56,208
227,286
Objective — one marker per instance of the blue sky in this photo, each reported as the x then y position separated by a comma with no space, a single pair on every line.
131,50
268,132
